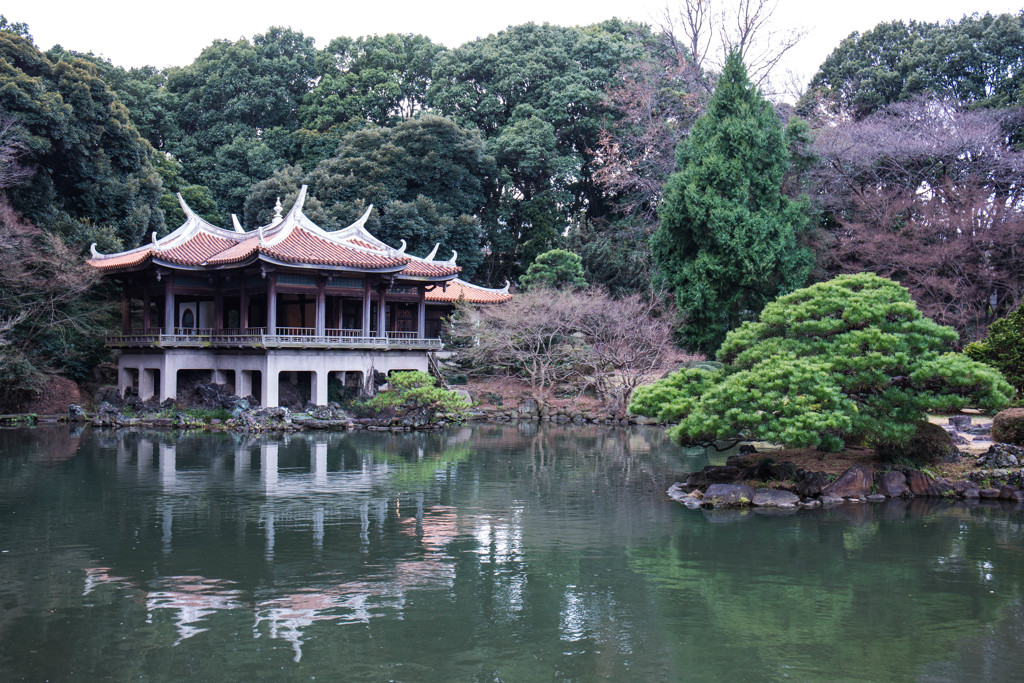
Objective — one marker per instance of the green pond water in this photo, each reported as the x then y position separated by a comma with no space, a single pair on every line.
486,553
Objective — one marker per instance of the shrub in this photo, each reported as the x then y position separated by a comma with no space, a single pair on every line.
841,361
928,444
1003,348
415,392
1008,427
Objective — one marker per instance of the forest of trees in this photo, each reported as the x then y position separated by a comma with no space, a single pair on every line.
902,156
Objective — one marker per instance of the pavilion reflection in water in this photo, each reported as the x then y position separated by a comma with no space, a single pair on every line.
305,494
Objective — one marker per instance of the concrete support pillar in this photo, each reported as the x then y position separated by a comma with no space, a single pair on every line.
219,376
272,306
243,382
168,382
147,383
124,380
366,308
321,308
147,321
270,386
318,387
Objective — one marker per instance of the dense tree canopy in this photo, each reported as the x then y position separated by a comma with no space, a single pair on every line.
424,176
93,180
727,240
842,361
977,59
536,93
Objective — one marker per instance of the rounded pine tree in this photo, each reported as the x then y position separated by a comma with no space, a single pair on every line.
726,244
844,361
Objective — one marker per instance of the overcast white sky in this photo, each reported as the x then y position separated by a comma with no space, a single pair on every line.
134,33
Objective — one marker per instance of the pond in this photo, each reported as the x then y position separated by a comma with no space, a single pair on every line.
484,553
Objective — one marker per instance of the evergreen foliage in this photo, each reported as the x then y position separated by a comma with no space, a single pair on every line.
93,180
727,243
838,362
1003,348
416,392
555,269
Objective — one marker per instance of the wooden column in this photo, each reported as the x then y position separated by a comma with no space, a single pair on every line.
381,316
271,304
218,306
366,307
321,309
421,314
243,304
147,321
126,312
168,312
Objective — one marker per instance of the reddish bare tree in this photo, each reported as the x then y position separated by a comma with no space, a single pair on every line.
628,339
929,194
657,102
564,339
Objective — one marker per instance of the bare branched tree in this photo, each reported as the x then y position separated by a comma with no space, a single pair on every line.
564,339
12,151
928,193
746,25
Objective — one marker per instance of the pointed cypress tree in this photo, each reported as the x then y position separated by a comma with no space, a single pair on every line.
726,244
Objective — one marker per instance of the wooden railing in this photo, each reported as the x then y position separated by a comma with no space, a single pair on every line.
257,337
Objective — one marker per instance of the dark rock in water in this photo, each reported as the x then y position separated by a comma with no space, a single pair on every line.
728,495
918,482
941,487
876,498
1006,492
716,475
746,449
853,483
75,413
106,408
966,489
891,484
774,498
107,394
961,422
811,484
989,494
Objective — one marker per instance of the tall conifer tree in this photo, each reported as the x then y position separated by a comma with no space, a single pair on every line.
726,244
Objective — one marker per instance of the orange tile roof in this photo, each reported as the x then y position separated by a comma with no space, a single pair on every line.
292,239
457,290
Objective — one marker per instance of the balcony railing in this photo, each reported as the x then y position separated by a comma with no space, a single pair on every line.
257,337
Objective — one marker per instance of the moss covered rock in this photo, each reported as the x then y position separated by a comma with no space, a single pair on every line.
929,443
1008,427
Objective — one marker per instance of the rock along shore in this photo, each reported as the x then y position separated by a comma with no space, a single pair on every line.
997,476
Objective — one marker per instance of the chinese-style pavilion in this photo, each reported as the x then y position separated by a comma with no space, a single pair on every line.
251,308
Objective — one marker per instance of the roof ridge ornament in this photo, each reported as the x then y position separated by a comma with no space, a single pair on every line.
433,252
401,250
504,290
362,220
455,255
189,213
92,250
234,222
277,210
154,241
